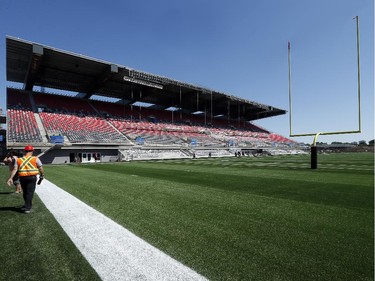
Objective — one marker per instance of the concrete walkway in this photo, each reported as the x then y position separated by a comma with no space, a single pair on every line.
113,251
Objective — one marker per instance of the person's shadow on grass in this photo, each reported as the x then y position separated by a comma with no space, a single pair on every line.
12,209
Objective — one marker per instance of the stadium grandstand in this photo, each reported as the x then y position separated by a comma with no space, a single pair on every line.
73,108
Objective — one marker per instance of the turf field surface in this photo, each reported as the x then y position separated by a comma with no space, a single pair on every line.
245,218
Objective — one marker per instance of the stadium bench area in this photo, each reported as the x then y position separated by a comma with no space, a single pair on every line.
22,126
100,122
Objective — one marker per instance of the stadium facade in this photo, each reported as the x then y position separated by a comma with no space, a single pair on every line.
73,108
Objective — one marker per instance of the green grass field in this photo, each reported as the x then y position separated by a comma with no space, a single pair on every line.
269,218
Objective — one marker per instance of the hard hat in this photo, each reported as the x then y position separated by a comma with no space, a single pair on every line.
29,148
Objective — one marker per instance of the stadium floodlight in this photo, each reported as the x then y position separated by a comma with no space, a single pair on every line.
197,112
173,108
142,82
313,146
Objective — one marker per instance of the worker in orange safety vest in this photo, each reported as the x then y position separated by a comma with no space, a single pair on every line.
28,168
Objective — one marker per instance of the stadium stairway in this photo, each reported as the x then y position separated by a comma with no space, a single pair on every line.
37,118
109,123
41,127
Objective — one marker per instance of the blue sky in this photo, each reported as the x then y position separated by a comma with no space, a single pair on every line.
238,47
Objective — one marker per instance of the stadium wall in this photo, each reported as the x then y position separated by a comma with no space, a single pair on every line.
80,155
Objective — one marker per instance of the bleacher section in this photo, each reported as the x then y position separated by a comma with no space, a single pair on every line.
22,126
98,122
85,129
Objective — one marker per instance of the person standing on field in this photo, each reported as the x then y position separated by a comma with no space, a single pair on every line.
28,168
10,160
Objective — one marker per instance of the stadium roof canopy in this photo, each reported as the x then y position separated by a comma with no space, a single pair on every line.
34,64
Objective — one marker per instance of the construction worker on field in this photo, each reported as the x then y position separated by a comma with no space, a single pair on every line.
28,168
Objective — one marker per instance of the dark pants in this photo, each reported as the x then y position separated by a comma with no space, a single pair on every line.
28,185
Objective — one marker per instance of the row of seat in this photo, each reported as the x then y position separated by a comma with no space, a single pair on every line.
98,130
84,121
82,129
22,126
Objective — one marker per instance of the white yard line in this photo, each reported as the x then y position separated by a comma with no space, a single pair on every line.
113,251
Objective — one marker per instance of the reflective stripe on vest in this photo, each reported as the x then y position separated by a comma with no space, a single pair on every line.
27,166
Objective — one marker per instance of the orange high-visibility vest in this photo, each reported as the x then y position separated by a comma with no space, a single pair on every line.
27,166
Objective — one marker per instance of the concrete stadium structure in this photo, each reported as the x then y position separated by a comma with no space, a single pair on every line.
73,108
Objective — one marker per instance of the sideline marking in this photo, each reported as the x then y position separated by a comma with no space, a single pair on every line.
114,252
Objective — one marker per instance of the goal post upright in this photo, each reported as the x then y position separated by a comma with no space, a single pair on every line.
358,75
314,150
